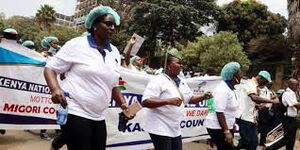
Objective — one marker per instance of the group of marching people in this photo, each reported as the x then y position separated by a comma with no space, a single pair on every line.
245,105
90,66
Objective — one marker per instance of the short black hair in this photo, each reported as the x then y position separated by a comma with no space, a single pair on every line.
169,60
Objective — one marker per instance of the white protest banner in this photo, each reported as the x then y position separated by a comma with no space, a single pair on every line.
136,47
25,100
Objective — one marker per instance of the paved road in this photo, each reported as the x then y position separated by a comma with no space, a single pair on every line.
23,140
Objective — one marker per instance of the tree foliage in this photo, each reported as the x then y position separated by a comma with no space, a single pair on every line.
250,19
269,49
120,40
269,52
215,52
46,16
171,20
2,21
26,27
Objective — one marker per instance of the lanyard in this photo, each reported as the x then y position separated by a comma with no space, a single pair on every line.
173,82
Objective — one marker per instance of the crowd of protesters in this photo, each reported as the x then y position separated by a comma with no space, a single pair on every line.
80,64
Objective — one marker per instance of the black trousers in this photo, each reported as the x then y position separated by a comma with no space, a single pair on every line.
248,133
166,143
84,134
59,141
290,130
218,137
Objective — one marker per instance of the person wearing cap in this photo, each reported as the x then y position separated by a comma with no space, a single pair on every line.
164,99
10,34
92,66
265,120
43,133
50,44
220,123
251,97
29,44
134,63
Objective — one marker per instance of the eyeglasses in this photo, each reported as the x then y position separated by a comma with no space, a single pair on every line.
108,23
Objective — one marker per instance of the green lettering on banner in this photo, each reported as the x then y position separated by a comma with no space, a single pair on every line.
211,105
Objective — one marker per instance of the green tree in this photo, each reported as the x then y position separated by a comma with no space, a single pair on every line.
26,27
120,40
2,21
215,51
45,16
63,34
250,19
171,21
273,54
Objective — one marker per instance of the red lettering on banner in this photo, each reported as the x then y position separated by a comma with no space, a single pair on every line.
21,108
49,110
40,99
8,108
190,112
202,112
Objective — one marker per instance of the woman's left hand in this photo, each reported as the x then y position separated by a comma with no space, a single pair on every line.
124,108
208,95
228,138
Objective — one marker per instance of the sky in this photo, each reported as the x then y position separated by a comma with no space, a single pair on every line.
29,7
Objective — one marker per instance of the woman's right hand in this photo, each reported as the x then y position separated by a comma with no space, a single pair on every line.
132,41
58,97
174,101
228,138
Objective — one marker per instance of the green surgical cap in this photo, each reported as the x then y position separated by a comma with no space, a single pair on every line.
28,43
229,70
45,42
98,12
266,75
133,59
10,30
174,52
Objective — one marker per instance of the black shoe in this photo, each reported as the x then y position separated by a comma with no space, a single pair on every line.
2,131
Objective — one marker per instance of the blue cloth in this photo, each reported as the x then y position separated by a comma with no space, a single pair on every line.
177,81
93,44
230,85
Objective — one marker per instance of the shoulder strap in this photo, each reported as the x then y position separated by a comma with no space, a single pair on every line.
181,95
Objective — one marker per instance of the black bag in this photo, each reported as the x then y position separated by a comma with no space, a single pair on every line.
122,122
279,109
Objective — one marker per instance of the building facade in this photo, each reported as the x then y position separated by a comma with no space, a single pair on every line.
83,7
294,33
64,20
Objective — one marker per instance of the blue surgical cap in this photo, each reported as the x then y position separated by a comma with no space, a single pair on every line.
10,30
229,70
265,74
98,12
133,59
47,40
28,43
